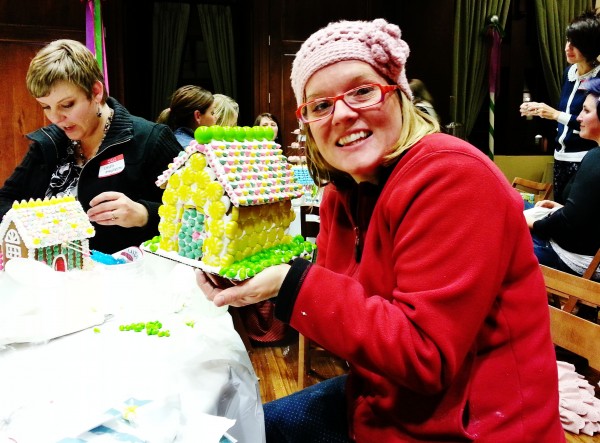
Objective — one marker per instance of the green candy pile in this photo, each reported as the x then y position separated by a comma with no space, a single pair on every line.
151,327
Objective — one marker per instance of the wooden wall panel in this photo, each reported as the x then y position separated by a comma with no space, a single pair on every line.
58,14
23,31
20,113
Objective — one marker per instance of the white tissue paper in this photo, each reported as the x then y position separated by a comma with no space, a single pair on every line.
578,406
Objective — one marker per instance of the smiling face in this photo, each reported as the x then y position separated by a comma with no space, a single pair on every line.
573,54
354,141
68,107
588,119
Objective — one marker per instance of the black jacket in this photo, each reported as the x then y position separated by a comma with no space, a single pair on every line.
147,148
574,227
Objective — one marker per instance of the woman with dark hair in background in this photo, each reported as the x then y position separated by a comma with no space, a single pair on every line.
582,50
191,106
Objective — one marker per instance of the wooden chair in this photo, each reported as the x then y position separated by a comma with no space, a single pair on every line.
540,190
589,272
570,332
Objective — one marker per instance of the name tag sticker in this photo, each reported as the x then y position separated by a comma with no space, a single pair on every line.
111,166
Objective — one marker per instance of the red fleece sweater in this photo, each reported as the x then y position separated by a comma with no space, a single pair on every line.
444,320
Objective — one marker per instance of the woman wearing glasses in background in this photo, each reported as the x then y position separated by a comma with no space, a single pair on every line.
431,292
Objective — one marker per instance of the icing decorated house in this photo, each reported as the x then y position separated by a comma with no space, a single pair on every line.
227,204
54,231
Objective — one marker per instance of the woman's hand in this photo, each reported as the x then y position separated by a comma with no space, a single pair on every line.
548,204
536,109
530,221
116,209
262,286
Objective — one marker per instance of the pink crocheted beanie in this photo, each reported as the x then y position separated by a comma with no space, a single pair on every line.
376,42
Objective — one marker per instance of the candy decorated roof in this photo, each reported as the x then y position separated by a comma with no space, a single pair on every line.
48,222
251,169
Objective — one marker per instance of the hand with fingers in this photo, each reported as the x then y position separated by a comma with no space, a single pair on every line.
538,109
262,286
115,208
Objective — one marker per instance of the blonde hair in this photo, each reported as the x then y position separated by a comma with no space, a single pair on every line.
226,110
63,60
184,102
415,125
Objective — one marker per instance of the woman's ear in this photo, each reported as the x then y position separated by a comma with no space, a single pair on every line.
98,91
197,117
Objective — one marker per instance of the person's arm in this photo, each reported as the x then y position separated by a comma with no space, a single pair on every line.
114,208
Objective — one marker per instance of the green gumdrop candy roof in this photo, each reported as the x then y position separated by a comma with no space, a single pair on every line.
204,134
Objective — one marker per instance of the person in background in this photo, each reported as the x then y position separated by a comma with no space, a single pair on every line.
93,149
226,110
422,98
268,119
581,50
568,238
191,106
434,298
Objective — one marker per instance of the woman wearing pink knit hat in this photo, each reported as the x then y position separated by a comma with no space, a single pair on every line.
427,288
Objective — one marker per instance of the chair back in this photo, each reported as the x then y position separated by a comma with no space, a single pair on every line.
568,331
591,269
309,221
541,191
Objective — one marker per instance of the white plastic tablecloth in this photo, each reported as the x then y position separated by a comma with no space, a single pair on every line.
194,385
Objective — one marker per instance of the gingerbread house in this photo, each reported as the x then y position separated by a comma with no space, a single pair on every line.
54,231
227,204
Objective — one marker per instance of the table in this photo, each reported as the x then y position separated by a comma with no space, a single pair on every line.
126,385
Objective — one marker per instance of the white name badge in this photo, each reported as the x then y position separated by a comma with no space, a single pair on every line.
111,166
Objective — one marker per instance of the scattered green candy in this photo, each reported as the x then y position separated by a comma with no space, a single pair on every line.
97,330
151,327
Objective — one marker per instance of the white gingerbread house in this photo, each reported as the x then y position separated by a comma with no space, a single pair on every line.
54,231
